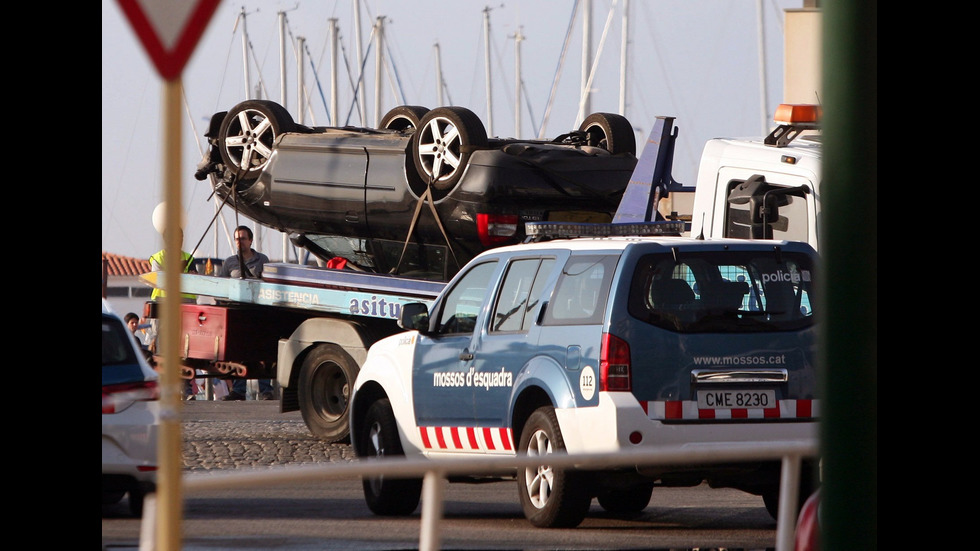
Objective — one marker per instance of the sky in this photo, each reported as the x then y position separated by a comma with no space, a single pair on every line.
704,62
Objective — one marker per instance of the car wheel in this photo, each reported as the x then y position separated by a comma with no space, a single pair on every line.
326,377
136,498
377,438
112,497
443,144
551,498
248,133
770,497
404,117
610,131
626,500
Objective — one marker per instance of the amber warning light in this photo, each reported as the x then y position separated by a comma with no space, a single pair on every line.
788,113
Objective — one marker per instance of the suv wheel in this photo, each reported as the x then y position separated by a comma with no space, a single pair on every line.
551,498
377,438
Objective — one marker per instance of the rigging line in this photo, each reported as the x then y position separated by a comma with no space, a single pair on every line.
530,109
595,62
495,49
353,85
224,74
558,69
389,69
360,77
319,87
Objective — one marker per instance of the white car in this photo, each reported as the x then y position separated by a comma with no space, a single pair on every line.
130,416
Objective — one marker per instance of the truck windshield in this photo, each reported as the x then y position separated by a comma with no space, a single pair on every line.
724,292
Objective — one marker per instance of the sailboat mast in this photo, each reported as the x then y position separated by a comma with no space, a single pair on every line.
763,87
585,106
624,58
486,49
361,100
248,84
378,66
439,101
334,100
518,38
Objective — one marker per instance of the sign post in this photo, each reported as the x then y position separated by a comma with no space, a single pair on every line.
169,32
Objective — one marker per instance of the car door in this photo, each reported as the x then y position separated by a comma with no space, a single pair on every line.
443,358
500,353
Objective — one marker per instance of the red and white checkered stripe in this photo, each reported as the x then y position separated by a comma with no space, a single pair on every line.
680,409
467,439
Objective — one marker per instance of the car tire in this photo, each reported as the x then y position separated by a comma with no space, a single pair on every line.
326,377
609,131
405,118
770,497
550,497
377,438
247,135
626,500
136,498
443,144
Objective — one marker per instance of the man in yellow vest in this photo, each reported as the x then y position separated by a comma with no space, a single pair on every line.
157,264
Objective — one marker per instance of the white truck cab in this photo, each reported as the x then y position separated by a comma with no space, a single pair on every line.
762,188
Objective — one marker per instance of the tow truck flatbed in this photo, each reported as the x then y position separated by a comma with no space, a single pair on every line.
314,288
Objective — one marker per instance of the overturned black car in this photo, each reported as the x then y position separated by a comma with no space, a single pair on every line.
419,196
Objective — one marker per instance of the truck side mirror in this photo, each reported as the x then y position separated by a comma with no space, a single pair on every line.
414,315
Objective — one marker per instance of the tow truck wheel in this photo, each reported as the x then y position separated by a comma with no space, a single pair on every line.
550,497
326,378
626,500
377,439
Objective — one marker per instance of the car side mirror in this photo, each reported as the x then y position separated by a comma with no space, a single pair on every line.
414,315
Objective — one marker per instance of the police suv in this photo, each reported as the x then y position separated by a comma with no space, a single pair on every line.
596,345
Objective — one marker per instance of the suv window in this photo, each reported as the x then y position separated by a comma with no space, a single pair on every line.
462,304
724,292
520,294
581,292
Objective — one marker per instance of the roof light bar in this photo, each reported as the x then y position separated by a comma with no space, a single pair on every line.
566,230
788,113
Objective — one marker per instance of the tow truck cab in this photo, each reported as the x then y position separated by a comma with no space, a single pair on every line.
763,188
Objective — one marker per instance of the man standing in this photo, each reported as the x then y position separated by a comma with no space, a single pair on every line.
253,262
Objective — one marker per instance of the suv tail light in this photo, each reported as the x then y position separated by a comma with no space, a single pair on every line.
116,398
614,365
496,229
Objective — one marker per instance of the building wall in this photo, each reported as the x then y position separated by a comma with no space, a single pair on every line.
802,53
127,294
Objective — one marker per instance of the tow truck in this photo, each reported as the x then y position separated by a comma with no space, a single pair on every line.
310,327
763,188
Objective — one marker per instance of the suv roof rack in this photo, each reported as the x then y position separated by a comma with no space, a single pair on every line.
544,231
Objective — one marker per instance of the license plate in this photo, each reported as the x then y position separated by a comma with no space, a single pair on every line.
736,399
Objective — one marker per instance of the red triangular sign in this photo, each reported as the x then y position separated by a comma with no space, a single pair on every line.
169,29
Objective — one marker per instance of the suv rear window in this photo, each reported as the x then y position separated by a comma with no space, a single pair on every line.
724,292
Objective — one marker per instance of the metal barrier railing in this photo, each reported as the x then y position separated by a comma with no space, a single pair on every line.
790,453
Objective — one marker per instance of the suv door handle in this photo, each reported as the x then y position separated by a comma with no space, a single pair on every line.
465,356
